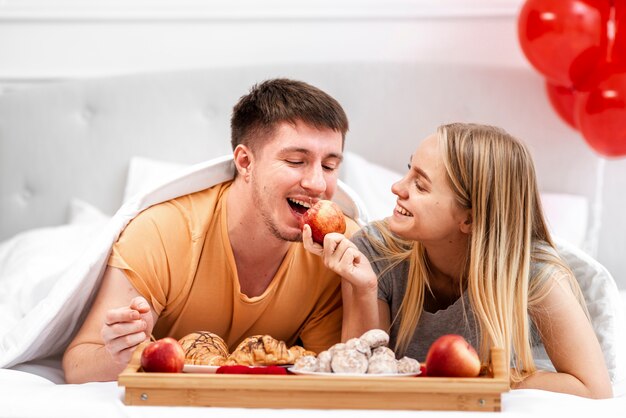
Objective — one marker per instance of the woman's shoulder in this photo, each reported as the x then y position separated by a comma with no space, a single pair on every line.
365,237
546,264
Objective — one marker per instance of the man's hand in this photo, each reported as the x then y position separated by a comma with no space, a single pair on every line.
125,328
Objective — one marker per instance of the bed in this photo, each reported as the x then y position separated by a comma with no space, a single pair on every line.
79,158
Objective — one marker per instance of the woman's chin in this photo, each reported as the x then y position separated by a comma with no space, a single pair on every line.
392,222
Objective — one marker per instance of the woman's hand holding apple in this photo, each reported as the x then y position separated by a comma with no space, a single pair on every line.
343,257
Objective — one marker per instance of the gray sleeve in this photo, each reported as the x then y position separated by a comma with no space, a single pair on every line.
364,245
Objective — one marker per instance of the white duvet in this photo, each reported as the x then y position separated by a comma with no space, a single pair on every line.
42,315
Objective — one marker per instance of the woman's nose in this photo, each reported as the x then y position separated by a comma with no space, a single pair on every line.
398,188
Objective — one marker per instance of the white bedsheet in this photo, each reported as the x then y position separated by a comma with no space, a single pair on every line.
27,395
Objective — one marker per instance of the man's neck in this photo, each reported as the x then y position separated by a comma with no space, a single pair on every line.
258,254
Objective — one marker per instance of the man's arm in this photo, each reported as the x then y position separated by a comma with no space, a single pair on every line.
119,320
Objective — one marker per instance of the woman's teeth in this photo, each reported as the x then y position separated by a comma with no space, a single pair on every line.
403,211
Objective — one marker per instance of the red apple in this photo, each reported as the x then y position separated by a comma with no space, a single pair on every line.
163,356
452,356
324,217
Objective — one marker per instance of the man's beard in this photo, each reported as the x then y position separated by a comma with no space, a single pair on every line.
260,204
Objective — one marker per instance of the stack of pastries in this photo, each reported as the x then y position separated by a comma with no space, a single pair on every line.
207,348
367,354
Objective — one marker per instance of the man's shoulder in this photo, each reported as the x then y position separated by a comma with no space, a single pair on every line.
208,196
187,209
192,201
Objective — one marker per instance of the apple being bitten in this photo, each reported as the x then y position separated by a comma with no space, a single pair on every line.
452,356
324,217
163,356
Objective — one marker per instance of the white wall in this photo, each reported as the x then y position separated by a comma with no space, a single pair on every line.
49,40
44,39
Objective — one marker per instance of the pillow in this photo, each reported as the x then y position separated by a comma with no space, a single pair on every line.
372,182
144,174
566,215
605,310
82,212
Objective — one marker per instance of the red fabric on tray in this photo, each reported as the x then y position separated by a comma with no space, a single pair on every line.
251,370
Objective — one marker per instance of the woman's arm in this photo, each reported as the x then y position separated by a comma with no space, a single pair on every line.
359,285
572,346
360,310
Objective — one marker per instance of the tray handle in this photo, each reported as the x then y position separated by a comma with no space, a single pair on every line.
135,361
499,364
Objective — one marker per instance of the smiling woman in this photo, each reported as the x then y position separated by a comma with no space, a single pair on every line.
467,251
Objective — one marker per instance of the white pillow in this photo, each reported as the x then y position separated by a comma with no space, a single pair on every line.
372,182
605,307
566,215
82,212
144,174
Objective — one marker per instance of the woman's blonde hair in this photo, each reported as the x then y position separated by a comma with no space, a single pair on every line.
492,175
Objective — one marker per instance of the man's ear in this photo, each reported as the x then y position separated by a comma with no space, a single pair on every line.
466,225
243,158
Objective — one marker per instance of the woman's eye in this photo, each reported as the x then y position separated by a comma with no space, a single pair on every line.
329,168
419,187
293,162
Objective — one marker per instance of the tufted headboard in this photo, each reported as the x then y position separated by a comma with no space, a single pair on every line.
74,138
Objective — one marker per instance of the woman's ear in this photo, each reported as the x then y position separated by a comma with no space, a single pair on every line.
243,158
466,225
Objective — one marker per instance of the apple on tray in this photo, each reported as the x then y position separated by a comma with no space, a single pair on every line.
163,356
324,217
452,356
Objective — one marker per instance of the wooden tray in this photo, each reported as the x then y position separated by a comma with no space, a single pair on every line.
316,392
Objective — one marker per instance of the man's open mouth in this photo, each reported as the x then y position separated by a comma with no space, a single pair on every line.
298,206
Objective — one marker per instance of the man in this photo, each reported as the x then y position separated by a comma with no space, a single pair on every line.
229,259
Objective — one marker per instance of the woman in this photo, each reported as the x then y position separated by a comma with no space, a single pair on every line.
467,251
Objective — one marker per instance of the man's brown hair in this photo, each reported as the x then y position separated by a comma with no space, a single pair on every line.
256,115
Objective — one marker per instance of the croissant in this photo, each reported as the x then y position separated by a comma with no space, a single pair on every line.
264,350
205,348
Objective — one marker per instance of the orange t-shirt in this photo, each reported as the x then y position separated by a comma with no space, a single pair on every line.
177,255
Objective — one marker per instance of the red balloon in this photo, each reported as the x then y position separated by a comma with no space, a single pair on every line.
562,100
564,39
601,114
618,53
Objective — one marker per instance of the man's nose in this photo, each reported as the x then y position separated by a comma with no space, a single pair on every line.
314,180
